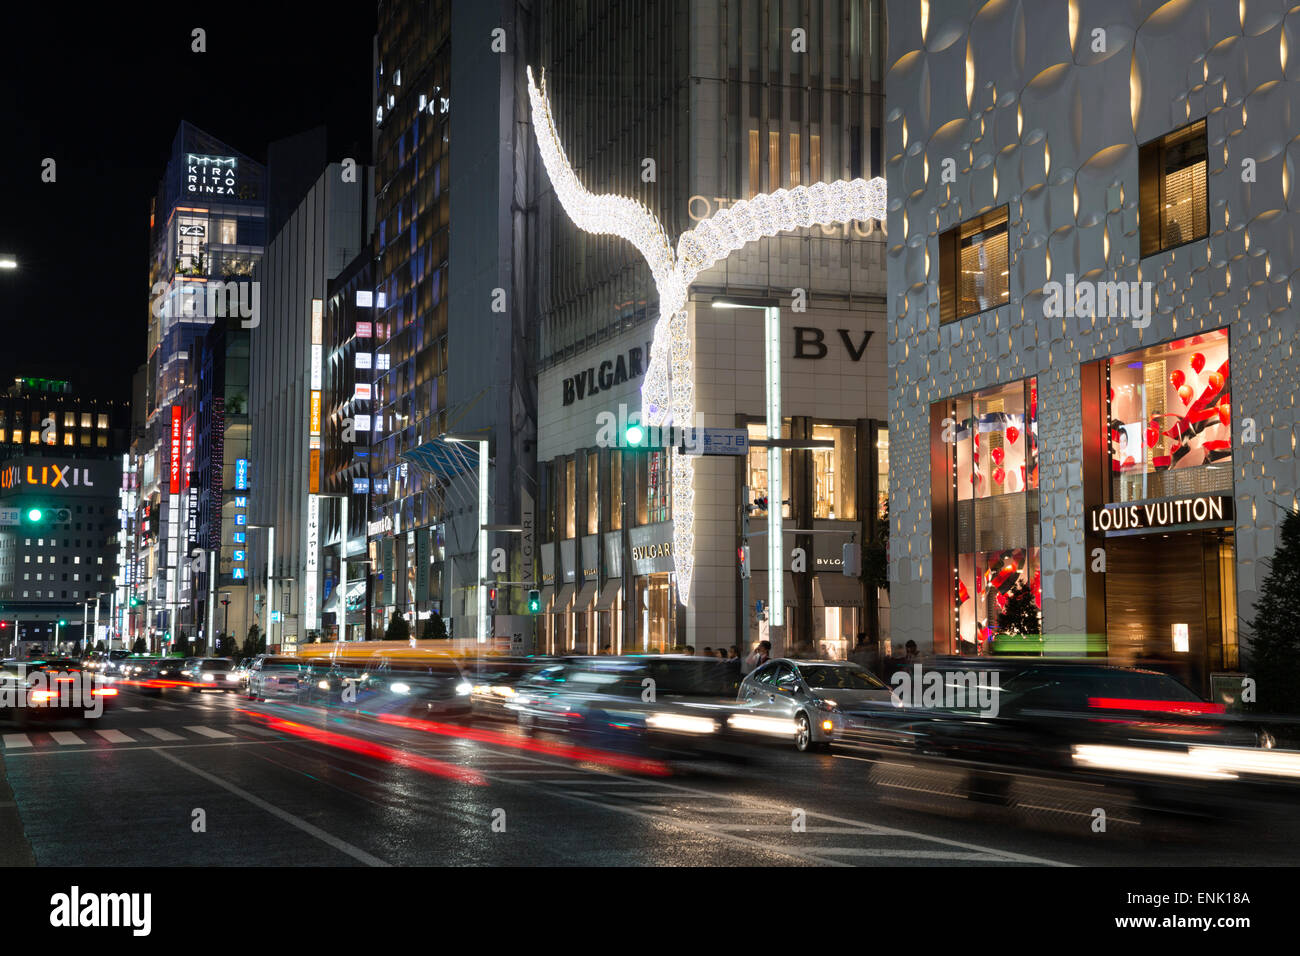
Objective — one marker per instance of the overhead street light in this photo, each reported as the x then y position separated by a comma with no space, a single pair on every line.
771,310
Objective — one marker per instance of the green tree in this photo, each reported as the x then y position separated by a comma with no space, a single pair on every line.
435,627
139,647
254,643
1275,631
182,645
226,646
398,629
1021,614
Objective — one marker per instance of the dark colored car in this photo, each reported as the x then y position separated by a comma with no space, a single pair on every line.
668,705
493,681
53,688
435,687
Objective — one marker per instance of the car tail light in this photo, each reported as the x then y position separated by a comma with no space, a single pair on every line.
104,692
1163,706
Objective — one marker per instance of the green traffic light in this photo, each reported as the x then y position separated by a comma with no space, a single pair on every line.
34,514
63,622
534,602
635,434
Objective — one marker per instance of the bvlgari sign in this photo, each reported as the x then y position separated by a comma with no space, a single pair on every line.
603,377
1189,511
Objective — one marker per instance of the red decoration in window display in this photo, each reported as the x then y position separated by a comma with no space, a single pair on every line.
1153,434
998,454
1177,378
1198,362
1225,413
1216,381
999,476
1185,393
962,594
1012,434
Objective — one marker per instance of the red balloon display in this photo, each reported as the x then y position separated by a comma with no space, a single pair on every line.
1215,380
1153,435
1178,378
1198,362
999,476
998,454
1225,413
1012,434
1186,393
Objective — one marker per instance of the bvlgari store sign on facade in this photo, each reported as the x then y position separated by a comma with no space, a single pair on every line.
1184,512
652,548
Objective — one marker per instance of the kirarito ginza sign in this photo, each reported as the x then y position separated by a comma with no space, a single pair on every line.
1191,510
176,451
210,175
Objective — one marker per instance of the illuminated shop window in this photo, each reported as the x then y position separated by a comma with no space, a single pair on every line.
616,489
569,520
973,266
835,473
69,419
593,499
1169,418
67,438
653,483
1173,200
101,421
756,468
85,419
991,445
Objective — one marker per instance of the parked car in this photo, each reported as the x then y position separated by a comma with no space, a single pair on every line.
804,700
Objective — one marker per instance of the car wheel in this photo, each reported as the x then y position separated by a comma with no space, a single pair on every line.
803,741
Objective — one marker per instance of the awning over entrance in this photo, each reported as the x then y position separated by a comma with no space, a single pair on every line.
565,596
443,458
585,595
608,594
835,590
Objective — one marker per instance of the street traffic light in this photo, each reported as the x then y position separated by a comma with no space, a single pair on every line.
534,602
48,516
742,553
492,599
635,435
135,601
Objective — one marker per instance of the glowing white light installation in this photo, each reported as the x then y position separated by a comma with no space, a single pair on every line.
668,393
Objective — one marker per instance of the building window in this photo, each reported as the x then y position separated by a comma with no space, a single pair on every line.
101,421
593,496
570,498
85,419
1169,416
1173,201
773,161
756,468
69,419
652,487
835,473
973,266
814,158
616,489
991,481
796,156
755,165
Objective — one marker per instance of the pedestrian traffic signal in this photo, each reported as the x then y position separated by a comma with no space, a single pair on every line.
492,599
534,602
742,553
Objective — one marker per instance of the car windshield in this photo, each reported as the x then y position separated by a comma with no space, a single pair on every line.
217,663
1074,688
839,677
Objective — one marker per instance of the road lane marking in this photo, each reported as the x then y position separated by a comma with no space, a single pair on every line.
66,738
17,740
133,710
159,734
910,854
208,732
115,736
328,838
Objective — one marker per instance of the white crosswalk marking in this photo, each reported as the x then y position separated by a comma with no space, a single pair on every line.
209,732
260,731
115,736
66,738
134,710
159,734
13,741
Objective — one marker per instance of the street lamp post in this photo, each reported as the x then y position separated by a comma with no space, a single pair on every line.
343,562
270,572
484,626
225,603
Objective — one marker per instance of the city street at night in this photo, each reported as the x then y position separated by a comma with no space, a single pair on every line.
709,442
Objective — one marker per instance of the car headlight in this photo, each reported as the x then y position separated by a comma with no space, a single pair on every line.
502,690
400,688
324,685
824,704
463,688
209,676
681,723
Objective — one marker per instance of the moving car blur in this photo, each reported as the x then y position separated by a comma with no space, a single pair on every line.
802,700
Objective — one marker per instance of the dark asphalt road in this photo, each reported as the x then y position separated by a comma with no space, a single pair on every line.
213,780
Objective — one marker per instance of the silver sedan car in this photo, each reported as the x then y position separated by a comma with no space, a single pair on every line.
804,700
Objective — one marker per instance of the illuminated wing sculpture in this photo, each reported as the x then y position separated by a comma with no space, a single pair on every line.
668,393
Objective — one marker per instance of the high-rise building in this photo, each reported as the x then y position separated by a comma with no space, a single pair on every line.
1092,352
689,108
450,322
60,475
207,231
283,499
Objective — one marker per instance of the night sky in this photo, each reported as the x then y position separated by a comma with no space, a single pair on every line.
102,91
